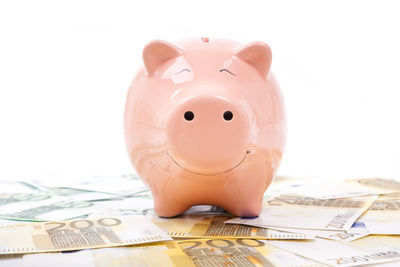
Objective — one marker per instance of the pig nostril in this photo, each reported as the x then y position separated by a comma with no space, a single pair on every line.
189,115
228,115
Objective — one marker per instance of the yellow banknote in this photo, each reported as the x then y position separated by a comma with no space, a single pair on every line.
78,234
293,211
184,253
366,250
213,225
205,222
344,236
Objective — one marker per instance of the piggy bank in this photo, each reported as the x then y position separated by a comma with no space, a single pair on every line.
205,124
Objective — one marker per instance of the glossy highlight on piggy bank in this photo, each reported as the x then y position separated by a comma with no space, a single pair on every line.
205,124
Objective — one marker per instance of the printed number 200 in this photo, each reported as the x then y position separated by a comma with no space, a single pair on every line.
88,223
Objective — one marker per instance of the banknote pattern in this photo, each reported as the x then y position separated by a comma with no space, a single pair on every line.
383,217
78,234
341,188
205,223
110,221
294,211
187,253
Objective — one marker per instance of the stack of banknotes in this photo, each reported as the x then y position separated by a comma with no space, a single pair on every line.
110,221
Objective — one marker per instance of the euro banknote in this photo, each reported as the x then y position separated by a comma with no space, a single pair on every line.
8,186
205,222
57,204
210,226
183,253
367,250
383,216
344,236
342,188
60,210
292,211
119,184
78,234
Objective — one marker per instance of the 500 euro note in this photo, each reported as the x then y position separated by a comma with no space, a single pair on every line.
292,211
78,234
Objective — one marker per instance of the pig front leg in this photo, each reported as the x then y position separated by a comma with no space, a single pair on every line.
169,206
244,197
242,206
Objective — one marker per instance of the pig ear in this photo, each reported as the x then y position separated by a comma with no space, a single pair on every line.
157,52
257,54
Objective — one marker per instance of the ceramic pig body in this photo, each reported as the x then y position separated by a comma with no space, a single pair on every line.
205,124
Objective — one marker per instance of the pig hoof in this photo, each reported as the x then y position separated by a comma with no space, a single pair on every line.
169,211
248,211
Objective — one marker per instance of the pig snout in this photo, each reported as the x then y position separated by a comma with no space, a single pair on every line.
208,134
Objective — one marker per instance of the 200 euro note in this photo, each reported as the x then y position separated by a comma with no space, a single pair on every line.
205,223
186,253
78,234
210,226
344,236
367,250
294,211
343,188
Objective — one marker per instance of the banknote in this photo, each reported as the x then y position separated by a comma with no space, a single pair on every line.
14,194
7,186
380,241
81,195
139,205
359,228
282,179
183,253
128,205
293,211
203,226
204,222
55,204
11,260
6,222
118,184
14,202
78,234
62,210
383,216
367,250
343,188
344,236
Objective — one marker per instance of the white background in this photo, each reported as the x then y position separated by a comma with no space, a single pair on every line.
65,67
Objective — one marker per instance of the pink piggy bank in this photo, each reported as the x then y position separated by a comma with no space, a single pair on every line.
205,124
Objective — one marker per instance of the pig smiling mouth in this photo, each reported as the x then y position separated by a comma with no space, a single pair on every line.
247,152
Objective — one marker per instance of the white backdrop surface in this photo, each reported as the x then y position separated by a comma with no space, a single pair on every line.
65,67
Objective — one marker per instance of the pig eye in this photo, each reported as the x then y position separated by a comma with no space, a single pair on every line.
189,115
182,71
228,115
228,72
